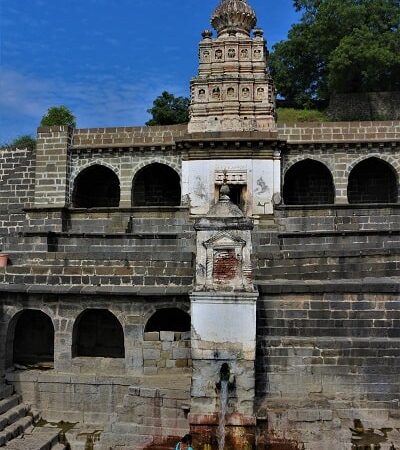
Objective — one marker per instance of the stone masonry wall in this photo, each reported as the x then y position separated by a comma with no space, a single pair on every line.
365,106
326,360
339,131
126,163
132,312
17,170
341,159
165,351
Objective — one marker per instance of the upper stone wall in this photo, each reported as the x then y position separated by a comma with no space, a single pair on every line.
127,136
339,131
292,132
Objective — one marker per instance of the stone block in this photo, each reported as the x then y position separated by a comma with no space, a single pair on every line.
186,336
167,336
181,353
152,336
151,354
181,363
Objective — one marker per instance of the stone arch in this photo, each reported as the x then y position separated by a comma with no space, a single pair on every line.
95,186
167,162
308,182
30,338
392,161
168,319
303,157
97,332
156,184
373,180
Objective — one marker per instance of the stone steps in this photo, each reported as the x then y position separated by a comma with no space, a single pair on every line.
9,403
37,439
13,415
6,391
17,430
327,267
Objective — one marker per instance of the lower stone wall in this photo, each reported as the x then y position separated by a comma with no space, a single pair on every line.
166,350
90,399
327,369
64,311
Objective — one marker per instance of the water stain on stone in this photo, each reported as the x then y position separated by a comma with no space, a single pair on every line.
367,437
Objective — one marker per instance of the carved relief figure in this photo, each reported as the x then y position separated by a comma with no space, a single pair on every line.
206,55
202,94
216,93
231,53
218,54
230,92
244,53
257,53
246,92
260,93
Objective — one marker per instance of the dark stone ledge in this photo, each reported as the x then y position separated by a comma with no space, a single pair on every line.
367,285
97,290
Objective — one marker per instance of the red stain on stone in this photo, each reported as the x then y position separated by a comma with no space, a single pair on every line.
270,441
163,443
225,266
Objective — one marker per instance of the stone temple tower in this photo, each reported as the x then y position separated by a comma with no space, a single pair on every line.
233,90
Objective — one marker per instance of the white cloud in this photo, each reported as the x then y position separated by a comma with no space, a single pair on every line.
96,100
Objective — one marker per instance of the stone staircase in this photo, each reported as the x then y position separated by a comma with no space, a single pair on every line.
150,418
18,430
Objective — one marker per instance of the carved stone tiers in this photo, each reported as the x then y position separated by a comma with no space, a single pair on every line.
233,90
233,16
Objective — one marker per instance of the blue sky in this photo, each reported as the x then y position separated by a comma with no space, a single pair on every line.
105,59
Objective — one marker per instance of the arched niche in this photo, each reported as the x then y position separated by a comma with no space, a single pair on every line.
156,185
169,319
96,186
372,181
308,182
30,339
98,333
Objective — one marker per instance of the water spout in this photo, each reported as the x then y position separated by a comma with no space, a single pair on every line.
223,386
223,395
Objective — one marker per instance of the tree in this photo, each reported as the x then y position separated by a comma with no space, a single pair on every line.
169,110
58,115
23,142
338,46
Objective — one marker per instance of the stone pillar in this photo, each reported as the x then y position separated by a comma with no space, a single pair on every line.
51,188
223,309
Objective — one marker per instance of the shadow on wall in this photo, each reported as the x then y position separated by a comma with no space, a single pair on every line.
156,185
30,339
96,187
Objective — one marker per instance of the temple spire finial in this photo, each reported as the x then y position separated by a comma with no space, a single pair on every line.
234,16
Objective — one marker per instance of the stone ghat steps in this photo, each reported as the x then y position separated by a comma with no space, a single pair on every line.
97,243
37,439
17,430
327,268
6,391
134,255
88,273
326,241
338,218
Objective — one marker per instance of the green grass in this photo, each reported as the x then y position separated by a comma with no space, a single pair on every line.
291,115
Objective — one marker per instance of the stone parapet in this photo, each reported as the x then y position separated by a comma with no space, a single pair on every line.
127,136
339,131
